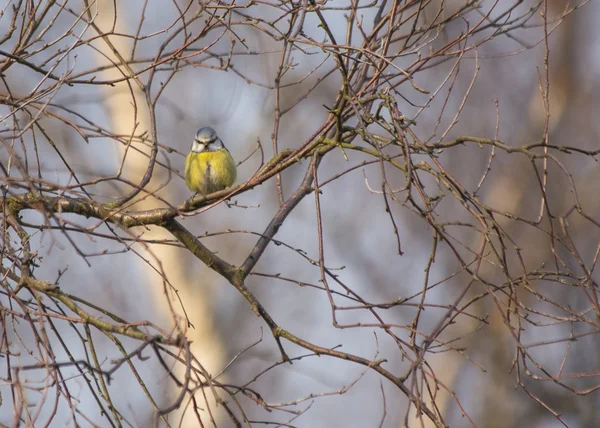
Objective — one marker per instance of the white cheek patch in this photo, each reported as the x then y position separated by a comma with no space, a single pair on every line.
198,147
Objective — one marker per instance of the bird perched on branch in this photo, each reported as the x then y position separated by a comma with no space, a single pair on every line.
209,166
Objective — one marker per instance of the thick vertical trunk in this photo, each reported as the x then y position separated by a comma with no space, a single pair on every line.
206,342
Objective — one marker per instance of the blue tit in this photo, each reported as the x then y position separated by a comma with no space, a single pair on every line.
209,166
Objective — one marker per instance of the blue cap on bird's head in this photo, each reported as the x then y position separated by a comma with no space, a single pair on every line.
206,134
207,139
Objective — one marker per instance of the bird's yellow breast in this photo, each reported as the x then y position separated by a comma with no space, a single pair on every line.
207,172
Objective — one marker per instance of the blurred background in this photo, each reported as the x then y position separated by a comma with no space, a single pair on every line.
500,293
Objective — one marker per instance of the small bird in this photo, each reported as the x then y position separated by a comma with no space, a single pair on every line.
209,166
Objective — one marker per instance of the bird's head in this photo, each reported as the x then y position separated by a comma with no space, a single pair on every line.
206,140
